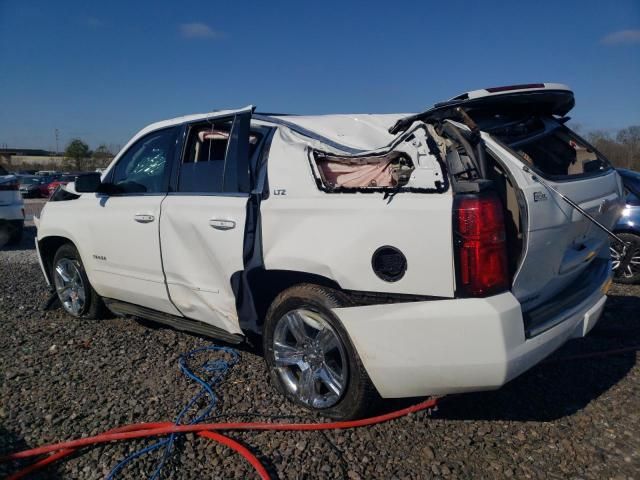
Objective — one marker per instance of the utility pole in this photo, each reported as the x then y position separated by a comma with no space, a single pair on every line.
57,135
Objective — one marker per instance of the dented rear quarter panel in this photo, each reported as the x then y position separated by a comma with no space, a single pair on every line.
336,234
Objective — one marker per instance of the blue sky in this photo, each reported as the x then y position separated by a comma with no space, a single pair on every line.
102,70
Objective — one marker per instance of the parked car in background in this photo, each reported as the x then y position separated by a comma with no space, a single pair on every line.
387,255
63,179
35,186
47,173
11,209
628,228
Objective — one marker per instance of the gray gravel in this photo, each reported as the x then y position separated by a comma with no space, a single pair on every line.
62,378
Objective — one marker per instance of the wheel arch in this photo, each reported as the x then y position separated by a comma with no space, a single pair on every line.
266,285
47,248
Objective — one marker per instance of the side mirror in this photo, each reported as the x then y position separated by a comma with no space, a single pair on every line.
88,182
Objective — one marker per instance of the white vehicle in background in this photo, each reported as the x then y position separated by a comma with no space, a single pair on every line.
372,255
11,209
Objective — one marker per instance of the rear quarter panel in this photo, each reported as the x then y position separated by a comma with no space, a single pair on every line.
336,234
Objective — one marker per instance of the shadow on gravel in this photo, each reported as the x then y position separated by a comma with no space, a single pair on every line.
554,389
560,386
254,345
11,443
27,242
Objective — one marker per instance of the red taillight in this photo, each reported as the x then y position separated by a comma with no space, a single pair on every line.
9,186
480,243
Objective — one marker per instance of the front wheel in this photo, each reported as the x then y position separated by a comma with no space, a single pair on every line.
629,273
74,291
310,357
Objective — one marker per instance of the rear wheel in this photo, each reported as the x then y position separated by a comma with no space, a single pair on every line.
626,271
310,357
74,291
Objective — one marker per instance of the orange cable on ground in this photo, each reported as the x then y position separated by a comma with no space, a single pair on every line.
208,430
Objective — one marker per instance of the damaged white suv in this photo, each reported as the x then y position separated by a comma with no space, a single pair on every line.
372,255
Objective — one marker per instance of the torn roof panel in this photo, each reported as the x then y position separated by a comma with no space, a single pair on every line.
358,131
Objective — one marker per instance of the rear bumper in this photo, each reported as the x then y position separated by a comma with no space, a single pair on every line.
461,345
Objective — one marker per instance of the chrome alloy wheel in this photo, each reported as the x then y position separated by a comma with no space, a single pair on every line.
633,267
310,358
70,286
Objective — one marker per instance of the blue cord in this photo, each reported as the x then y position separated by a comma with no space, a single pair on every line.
216,370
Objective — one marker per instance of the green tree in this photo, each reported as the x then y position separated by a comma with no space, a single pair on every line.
630,138
77,151
102,156
610,148
623,150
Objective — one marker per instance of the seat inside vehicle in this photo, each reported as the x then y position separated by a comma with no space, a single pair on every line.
203,165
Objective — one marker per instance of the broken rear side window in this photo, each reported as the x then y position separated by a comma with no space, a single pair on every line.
392,170
413,163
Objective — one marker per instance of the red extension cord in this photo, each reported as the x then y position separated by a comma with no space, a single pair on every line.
207,430
60,450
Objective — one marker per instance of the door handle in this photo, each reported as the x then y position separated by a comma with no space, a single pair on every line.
221,224
143,218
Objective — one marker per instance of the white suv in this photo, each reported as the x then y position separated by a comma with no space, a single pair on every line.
11,209
372,255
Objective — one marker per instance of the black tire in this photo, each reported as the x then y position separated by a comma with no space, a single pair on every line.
93,306
359,395
632,273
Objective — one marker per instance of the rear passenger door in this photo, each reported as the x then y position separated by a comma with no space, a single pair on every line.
203,219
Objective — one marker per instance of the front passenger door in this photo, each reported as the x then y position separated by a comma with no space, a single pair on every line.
125,260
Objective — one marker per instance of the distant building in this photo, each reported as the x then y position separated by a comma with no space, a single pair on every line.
23,157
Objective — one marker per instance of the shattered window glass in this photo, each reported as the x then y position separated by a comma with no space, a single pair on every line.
143,168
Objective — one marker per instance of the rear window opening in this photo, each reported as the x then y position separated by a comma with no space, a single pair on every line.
551,148
561,153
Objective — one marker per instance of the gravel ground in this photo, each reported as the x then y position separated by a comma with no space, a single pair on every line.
63,378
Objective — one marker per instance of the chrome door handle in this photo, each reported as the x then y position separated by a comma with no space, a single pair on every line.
143,218
221,224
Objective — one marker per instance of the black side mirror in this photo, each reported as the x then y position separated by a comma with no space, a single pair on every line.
88,182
